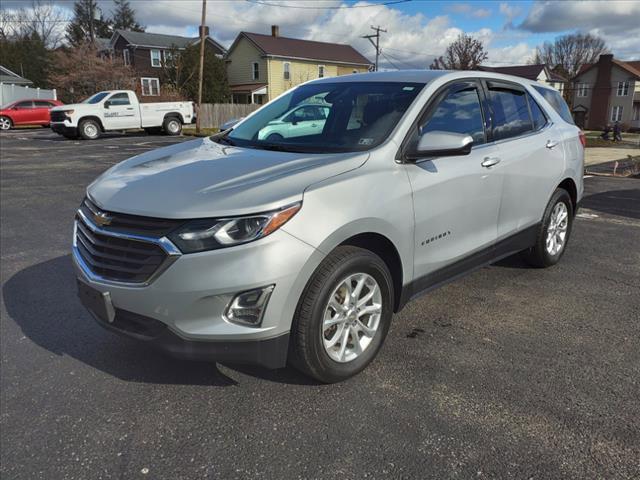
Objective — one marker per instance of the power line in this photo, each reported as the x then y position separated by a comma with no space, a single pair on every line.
338,7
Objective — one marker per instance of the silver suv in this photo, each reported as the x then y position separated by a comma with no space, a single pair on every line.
240,248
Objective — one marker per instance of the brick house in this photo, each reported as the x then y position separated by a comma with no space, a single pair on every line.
606,92
146,52
261,67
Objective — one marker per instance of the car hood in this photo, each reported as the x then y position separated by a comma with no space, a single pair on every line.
202,178
72,106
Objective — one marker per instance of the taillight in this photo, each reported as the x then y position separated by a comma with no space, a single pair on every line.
583,139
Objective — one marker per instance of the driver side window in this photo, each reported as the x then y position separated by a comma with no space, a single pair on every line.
119,99
459,111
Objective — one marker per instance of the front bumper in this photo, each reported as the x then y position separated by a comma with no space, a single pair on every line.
63,129
182,310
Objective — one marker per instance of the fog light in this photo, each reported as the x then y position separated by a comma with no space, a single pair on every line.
247,308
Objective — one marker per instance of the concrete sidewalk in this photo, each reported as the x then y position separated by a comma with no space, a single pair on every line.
595,155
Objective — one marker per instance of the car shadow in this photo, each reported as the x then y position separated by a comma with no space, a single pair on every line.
50,136
42,300
624,203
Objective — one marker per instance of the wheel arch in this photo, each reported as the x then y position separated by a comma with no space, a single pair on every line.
387,251
570,186
91,117
177,115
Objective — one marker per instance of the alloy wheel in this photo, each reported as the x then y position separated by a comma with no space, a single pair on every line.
557,229
351,317
90,130
5,123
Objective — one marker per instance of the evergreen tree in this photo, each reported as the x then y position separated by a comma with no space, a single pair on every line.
27,56
124,17
79,30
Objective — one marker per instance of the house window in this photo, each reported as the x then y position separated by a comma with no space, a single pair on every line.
255,69
126,56
168,56
636,111
582,89
320,71
616,113
150,86
286,70
623,89
155,58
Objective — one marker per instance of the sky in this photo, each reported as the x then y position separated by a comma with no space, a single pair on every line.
417,30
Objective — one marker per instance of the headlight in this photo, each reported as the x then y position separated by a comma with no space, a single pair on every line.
210,234
68,112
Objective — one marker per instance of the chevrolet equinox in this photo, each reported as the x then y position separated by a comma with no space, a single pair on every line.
248,247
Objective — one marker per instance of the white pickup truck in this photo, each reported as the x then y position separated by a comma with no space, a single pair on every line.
119,110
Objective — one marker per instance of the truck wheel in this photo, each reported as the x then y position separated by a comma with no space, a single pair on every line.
172,126
553,234
343,315
5,123
89,129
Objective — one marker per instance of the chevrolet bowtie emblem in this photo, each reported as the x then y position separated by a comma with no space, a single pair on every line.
102,219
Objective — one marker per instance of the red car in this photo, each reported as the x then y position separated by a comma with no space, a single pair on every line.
27,112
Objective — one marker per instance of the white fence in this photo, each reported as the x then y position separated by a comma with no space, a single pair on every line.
10,93
212,115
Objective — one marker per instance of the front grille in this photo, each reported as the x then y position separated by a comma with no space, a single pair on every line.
132,224
58,116
115,258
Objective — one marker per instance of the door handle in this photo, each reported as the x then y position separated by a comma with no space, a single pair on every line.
551,143
490,162
130,108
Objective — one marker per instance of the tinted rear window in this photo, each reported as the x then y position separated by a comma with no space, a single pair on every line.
539,119
510,113
557,102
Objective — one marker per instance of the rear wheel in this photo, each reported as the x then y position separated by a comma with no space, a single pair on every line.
343,315
172,126
554,231
89,129
5,123
274,137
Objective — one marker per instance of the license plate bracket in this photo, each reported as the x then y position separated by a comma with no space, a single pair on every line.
97,302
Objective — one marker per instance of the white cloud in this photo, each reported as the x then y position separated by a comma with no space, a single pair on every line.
617,22
469,10
510,12
518,54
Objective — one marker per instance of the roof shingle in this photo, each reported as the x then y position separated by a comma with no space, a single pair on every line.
306,49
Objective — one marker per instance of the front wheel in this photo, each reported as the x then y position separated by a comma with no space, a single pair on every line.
554,231
172,126
5,123
343,315
89,129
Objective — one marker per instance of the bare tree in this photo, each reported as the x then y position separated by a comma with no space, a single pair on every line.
79,72
570,52
465,53
43,19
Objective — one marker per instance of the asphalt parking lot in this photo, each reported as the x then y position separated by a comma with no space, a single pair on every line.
510,372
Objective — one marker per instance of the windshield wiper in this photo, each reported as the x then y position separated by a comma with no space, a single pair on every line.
223,138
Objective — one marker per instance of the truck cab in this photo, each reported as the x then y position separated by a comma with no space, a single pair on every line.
116,110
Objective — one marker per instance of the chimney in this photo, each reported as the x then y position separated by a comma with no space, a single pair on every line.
600,94
275,31
206,31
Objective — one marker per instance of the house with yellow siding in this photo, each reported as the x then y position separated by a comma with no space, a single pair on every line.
261,67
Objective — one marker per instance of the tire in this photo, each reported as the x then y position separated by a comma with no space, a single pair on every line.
89,129
274,137
309,335
546,253
172,126
5,123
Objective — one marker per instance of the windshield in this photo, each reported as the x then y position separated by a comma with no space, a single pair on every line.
96,98
327,117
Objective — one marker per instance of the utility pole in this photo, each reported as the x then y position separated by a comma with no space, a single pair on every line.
202,38
376,44
92,7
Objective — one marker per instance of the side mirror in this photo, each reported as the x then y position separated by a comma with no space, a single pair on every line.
441,144
15,108
107,104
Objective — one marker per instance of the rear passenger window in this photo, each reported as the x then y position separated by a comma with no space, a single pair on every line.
458,112
557,102
41,104
539,119
510,113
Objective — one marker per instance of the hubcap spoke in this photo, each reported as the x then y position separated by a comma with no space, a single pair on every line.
557,229
352,317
